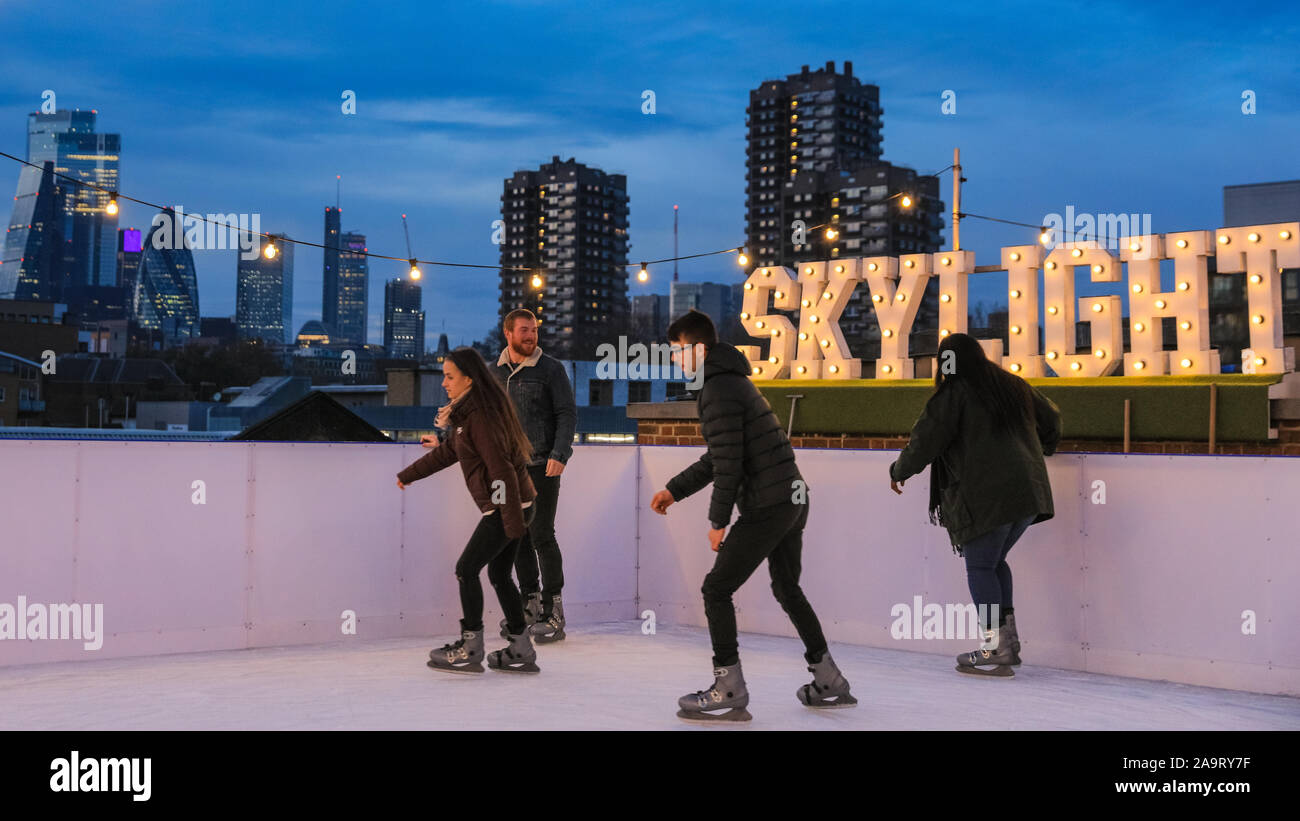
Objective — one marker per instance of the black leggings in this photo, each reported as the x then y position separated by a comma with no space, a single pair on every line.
490,547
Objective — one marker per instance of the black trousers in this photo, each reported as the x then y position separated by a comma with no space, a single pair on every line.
776,534
539,544
490,547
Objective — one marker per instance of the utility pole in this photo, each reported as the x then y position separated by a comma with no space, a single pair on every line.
956,199
674,243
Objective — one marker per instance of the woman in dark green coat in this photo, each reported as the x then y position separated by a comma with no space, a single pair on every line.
983,434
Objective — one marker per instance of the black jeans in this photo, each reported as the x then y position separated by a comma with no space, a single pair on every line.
490,547
539,543
988,573
776,534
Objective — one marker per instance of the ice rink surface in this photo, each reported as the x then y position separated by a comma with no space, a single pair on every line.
603,677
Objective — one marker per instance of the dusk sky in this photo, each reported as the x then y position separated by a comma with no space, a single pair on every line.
235,107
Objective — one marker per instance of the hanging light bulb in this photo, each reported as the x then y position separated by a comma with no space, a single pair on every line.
537,281
742,259
269,251
831,233
111,208
906,201
643,275
415,269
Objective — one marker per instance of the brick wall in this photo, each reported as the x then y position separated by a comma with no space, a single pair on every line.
687,432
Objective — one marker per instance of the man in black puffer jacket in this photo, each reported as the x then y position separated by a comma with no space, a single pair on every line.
751,465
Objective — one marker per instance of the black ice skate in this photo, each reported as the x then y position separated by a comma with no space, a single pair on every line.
994,658
519,657
727,693
462,656
551,628
532,613
829,687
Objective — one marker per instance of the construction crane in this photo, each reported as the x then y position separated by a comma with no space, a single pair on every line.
415,269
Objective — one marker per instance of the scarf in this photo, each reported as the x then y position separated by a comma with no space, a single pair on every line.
938,481
443,420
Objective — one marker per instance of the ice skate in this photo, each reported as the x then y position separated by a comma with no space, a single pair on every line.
532,613
462,656
994,657
727,693
1013,639
519,657
551,628
829,687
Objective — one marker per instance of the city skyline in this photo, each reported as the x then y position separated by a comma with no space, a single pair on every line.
435,139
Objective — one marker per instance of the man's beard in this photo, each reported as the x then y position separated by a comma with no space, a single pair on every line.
524,349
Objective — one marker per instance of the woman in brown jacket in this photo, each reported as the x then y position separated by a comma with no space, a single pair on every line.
485,437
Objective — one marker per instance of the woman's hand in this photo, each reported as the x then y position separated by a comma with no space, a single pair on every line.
400,485
897,487
429,440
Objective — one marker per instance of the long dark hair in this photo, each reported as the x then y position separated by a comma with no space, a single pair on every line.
498,410
1006,396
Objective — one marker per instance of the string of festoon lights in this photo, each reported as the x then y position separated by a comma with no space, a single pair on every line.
270,249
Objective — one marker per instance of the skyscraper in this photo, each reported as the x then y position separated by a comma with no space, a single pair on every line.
264,295
129,250
566,225
166,294
330,270
352,322
403,319
650,317
32,265
707,297
810,121
813,162
68,139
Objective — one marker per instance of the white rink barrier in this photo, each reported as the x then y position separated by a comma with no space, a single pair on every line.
1187,572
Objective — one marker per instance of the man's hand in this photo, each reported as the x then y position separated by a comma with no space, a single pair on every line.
661,501
897,487
429,440
554,467
399,484
715,538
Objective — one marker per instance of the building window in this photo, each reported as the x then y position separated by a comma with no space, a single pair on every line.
600,393
675,390
638,391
